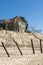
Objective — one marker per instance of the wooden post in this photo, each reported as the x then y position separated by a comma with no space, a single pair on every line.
32,46
40,46
17,46
5,49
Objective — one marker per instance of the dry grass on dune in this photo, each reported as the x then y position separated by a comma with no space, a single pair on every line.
24,42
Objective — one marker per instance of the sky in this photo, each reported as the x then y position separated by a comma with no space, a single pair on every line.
32,10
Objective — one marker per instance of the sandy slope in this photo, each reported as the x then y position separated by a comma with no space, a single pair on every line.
23,40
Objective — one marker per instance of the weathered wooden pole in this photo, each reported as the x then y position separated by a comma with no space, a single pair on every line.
5,49
17,46
40,46
32,46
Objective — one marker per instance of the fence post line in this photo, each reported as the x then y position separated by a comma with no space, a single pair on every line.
32,46
5,49
40,46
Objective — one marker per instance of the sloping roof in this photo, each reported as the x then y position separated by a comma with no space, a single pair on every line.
7,21
15,19
20,19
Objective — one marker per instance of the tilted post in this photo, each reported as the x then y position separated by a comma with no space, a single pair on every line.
17,45
5,49
40,46
32,46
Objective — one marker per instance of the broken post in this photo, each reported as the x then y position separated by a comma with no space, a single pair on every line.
5,49
40,46
17,46
32,46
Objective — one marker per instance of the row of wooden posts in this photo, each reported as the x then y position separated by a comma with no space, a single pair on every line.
33,46
19,48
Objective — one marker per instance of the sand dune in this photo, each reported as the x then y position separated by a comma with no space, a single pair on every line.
24,42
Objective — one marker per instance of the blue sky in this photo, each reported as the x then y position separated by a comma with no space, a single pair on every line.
32,10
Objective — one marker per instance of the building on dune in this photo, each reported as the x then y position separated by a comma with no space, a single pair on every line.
16,24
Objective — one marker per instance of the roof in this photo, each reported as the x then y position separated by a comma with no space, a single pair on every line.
20,19
15,19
